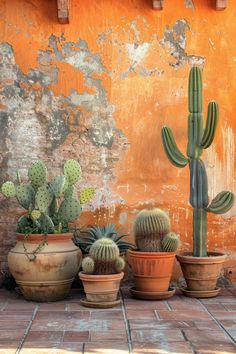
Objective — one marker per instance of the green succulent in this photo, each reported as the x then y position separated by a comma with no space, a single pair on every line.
50,205
86,238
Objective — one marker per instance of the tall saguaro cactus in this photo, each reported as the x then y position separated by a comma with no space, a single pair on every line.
198,139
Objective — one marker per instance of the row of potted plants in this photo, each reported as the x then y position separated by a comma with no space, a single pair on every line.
47,256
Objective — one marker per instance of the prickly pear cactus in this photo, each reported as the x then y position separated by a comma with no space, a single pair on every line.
8,189
72,171
199,138
37,174
50,205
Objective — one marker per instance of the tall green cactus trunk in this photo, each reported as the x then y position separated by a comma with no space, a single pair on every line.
198,139
199,232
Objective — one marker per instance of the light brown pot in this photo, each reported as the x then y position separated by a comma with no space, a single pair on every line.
50,275
201,273
152,270
101,288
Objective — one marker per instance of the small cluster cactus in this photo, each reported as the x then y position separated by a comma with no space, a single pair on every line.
152,232
50,205
199,138
103,258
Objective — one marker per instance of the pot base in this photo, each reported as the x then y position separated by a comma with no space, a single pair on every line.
99,305
152,295
200,294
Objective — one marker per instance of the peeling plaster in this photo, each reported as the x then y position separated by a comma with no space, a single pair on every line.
174,41
38,124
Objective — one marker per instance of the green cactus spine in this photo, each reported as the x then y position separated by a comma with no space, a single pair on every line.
103,258
198,139
150,226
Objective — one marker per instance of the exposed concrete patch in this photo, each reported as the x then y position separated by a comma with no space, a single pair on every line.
174,41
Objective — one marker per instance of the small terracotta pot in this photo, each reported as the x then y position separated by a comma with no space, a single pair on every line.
201,273
49,276
101,288
152,270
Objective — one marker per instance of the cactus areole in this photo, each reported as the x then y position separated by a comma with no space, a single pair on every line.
199,138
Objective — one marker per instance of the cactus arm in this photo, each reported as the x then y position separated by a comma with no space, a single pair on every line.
222,203
173,153
199,232
211,124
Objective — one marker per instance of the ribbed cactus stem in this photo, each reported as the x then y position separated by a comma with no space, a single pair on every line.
199,232
170,242
105,254
150,226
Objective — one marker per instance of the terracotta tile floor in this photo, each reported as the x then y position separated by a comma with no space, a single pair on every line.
180,325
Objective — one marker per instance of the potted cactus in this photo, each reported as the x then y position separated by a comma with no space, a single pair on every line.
45,260
201,269
101,274
152,262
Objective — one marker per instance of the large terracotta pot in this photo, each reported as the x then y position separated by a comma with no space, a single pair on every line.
201,273
49,276
101,288
152,270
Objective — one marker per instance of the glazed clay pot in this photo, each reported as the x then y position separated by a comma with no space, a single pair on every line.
101,288
201,273
49,276
152,270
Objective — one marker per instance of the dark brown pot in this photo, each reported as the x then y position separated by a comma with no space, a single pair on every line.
152,270
201,273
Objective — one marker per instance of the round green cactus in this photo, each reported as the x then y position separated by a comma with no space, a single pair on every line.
119,264
72,171
105,254
88,265
8,189
170,242
150,226
37,173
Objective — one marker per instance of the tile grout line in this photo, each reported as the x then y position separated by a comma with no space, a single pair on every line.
127,328
27,330
217,322
187,341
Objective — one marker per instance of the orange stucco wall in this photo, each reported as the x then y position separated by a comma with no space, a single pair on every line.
134,71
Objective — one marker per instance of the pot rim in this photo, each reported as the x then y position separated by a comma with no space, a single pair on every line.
40,237
101,277
213,257
140,254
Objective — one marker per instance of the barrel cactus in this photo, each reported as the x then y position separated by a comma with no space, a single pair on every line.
103,258
50,205
151,228
199,138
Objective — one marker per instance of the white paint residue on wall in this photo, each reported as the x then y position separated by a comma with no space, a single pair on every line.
221,174
137,52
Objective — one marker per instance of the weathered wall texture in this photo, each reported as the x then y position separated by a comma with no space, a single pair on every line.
100,89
